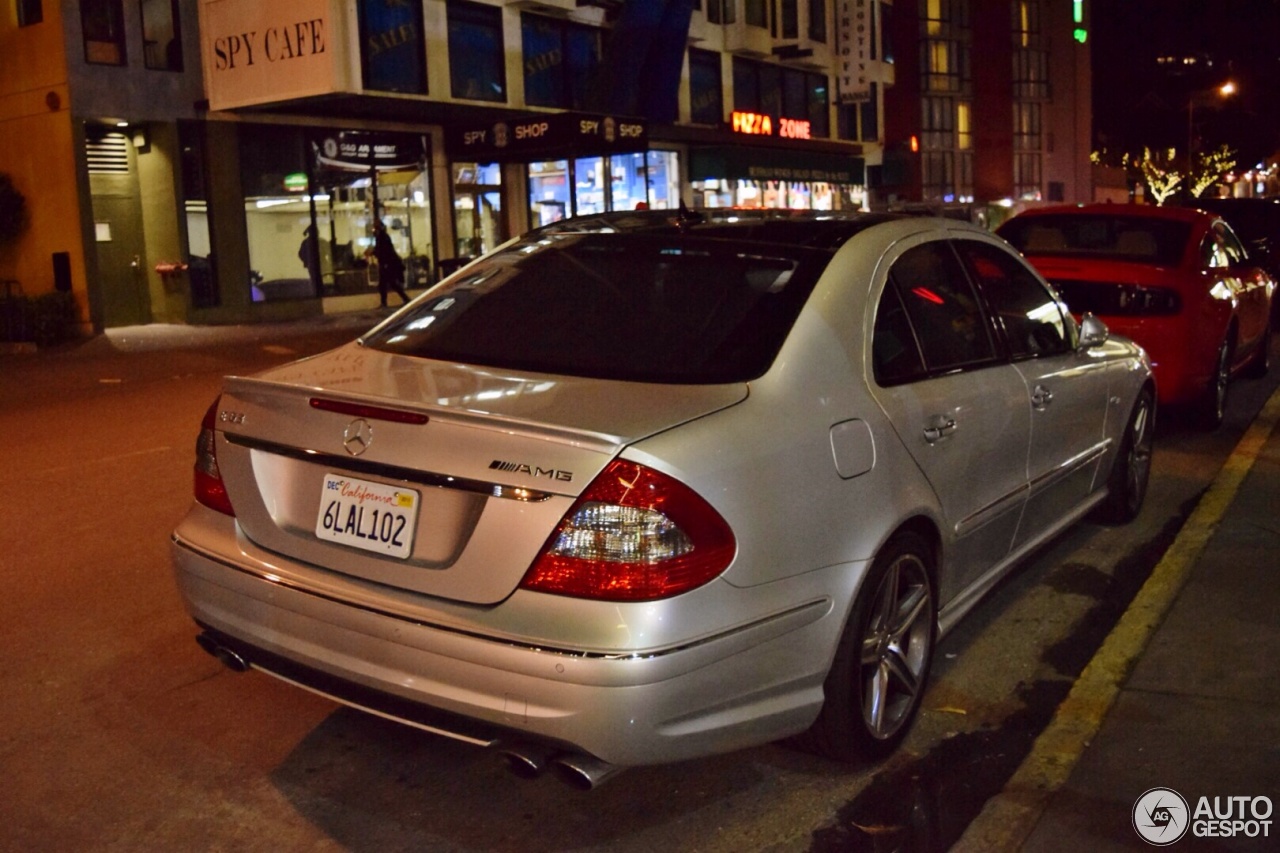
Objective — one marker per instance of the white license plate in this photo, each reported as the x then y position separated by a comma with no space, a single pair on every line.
367,515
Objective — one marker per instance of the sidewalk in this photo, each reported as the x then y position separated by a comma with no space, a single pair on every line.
1183,696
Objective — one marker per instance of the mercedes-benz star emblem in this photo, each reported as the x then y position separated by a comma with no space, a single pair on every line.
357,437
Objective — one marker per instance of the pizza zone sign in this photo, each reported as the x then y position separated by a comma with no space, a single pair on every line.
755,124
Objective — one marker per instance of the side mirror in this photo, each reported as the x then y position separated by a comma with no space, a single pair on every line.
1093,332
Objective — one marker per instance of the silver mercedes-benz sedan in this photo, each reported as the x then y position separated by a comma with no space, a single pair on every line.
648,486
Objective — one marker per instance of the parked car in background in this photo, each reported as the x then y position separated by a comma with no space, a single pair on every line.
643,487
1175,280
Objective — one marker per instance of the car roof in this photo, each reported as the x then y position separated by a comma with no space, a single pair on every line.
1144,211
826,230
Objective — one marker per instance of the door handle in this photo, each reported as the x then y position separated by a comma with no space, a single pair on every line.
938,426
1041,397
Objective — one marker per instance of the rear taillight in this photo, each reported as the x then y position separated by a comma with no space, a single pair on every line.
635,534
209,489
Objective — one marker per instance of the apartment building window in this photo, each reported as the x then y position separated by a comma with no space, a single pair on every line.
477,62
756,12
561,59
1028,146
721,11
818,22
860,121
161,35
706,88
772,90
1030,73
30,12
393,52
938,17
788,19
1026,22
102,23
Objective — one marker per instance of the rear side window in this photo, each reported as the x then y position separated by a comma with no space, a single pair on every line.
1030,316
638,307
930,307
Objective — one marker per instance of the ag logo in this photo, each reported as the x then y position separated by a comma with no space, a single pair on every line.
1161,816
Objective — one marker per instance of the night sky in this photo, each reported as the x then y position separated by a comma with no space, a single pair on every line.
1138,102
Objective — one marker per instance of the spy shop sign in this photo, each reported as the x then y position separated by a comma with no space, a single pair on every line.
559,133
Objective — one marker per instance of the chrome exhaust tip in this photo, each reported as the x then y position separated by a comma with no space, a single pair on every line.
229,658
526,760
582,771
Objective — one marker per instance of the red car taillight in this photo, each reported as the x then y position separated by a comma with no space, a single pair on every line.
635,534
209,489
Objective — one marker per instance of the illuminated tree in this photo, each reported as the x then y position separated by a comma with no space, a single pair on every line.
1209,167
1160,174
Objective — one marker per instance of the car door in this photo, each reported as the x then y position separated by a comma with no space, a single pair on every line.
1067,390
957,405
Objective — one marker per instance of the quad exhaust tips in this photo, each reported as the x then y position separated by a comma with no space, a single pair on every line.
526,760
229,657
576,769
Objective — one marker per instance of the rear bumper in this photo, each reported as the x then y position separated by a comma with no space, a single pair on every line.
747,685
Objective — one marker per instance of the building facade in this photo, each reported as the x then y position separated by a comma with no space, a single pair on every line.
212,161
990,104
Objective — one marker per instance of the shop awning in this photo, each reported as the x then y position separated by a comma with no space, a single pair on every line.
774,164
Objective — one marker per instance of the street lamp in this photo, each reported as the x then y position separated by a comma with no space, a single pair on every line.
1226,90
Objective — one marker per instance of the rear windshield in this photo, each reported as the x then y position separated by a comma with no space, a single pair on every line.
1123,238
638,307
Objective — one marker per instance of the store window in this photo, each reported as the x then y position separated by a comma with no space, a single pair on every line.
477,62
706,90
30,12
102,23
561,59
161,35
477,208
585,185
201,272
311,200
393,53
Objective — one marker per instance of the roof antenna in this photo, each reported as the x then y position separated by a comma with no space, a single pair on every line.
686,217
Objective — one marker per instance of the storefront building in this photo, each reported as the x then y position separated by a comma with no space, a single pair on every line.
263,143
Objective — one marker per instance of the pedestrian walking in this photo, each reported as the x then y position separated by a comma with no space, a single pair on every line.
390,265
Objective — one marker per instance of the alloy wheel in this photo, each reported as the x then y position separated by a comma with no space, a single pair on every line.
896,646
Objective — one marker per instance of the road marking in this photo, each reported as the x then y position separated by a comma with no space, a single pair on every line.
105,460
1008,818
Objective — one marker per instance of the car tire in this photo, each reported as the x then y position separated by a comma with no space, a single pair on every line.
1131,471
1214,406
1260,364
876,682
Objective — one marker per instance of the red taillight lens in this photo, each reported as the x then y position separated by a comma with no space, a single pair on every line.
634,535
209,489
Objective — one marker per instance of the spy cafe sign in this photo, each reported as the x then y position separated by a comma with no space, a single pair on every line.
755,124
255,52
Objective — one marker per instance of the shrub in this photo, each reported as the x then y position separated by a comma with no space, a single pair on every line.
13,210
49,318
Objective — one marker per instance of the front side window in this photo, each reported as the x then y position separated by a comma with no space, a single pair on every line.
944,312
1030,316
477,61
102,22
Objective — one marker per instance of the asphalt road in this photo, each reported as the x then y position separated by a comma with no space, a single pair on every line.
118,733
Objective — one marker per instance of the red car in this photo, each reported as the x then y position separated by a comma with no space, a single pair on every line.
1175,280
